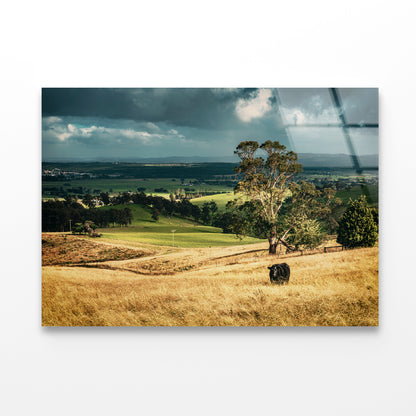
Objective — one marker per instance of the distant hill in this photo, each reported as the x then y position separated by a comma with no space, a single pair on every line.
335,160
307,159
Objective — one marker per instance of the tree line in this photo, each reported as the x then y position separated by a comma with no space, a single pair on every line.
59,215
64,215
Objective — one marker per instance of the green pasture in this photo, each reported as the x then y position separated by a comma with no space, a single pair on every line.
185,235
356,191
142,217
220,199
146,230
115,186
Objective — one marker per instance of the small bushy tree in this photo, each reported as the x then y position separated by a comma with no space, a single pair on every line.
155,214
79,228
357,227
307,235
208,211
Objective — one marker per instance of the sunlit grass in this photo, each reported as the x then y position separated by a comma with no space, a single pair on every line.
339,289
184,236
220,199
145,229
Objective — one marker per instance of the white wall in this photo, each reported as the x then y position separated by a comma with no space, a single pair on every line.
205,371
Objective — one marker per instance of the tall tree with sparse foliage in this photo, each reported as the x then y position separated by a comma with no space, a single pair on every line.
269,185
358,226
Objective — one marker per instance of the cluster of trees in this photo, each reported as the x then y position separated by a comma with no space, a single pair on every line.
286,212
276,206
87,228
61,215
158,205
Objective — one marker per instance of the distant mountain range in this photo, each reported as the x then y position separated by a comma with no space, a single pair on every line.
307,159
335,160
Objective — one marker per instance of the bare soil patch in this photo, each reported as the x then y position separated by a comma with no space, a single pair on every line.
67,249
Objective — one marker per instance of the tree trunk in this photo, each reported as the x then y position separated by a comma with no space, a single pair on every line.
272,248
272,242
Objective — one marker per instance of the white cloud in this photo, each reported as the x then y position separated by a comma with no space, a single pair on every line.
255,107
47,121
299,116
222,92
152,127
314,110
63,136
61,131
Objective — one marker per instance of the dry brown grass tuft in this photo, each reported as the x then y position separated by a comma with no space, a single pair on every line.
339,289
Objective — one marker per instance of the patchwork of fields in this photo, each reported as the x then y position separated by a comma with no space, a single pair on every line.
115,186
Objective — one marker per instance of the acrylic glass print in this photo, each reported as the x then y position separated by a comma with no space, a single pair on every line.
210,207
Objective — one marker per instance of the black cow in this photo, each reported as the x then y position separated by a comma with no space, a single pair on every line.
279,273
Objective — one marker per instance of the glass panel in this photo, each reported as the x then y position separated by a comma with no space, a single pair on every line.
360,104
301,106
318,140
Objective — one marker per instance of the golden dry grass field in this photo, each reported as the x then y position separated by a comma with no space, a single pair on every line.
221,286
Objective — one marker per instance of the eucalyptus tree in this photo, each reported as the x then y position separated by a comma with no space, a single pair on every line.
279,206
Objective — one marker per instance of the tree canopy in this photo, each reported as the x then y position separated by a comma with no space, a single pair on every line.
277,206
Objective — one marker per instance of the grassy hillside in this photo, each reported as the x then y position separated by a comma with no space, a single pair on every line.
220,199
146,230
222,289
185,236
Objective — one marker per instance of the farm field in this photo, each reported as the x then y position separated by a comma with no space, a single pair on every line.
115,186
185,236
222,286
187,233
356,191
220,199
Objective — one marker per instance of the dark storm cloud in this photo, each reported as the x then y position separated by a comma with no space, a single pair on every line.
156,122
195,107
86,102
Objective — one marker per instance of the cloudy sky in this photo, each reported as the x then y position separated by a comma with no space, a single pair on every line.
129,123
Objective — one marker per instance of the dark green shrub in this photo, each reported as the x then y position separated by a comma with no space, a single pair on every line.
357,227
